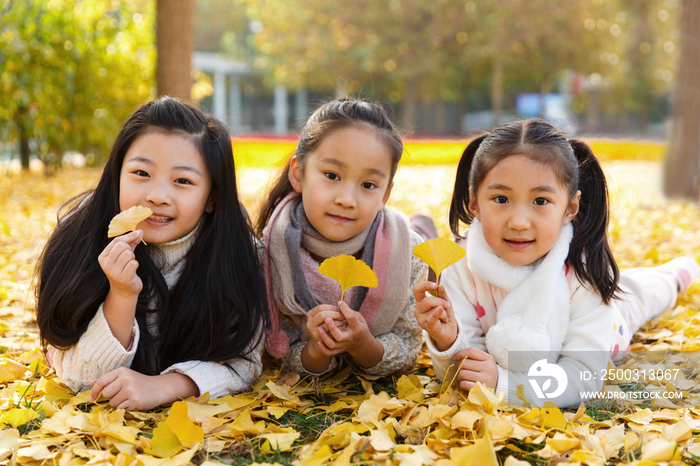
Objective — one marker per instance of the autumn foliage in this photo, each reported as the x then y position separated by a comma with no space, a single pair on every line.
350,418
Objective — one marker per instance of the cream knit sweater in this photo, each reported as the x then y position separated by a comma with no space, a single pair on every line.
98,351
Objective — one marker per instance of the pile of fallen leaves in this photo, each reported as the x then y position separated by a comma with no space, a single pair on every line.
350,418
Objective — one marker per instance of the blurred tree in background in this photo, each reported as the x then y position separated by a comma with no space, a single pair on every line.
682,175
175,46
615,56
71,72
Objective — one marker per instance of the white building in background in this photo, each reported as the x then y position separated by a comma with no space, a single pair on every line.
227,96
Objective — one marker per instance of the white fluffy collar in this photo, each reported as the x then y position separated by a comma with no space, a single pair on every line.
533,317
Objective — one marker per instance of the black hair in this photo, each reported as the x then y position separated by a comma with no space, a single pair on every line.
576,167
215,311
329,117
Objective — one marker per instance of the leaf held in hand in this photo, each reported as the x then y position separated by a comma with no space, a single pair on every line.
126,221
348,271
438,253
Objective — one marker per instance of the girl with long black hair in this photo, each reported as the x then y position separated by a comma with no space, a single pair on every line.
183,314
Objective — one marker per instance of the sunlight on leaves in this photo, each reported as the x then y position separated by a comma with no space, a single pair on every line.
164,442
348,417
349,272
127,220
439,253
188,433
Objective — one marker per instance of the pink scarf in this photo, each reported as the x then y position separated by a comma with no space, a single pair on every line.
294,285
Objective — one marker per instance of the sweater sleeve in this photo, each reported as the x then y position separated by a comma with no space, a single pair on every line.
402,344
221,379
470,334
586,349
97,352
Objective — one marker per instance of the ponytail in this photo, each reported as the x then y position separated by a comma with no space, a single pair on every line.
590,254
459,206
280,189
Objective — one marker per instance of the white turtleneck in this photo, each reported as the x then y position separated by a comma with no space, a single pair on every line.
98,351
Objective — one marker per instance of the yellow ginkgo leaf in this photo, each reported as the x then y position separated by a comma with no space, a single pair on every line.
183,427
438,253
348,271
164,442
126,221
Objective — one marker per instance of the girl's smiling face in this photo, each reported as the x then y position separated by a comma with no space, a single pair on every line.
522,206
344,183
165,173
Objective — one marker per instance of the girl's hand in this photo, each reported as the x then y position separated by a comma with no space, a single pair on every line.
312,358
435,315
477,367
355,339
119,263
317,316
131,390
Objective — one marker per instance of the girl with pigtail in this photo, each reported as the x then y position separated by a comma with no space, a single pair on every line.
330,200
539,286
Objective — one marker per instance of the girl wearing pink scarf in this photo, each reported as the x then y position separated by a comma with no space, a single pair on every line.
330,200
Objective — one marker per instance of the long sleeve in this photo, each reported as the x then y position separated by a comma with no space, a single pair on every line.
586,349
402,344
96,353
586,346
221,379
470,333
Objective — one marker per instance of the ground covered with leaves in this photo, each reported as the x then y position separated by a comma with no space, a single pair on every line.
349,418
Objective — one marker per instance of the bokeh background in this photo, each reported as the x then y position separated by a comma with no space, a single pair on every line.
71,71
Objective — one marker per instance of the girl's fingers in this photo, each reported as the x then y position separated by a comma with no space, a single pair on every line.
350,316
420,289
466,385
101,383
333,330
430,303
326,339
132,239
319,319
322,308
122,263
442,293
124,405
117,399
324,349
434,316
461,354
137,239
477,354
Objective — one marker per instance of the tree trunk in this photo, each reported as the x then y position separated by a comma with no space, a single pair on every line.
23,143
683,157
440,123
175,47
410,106
593,120
497,91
